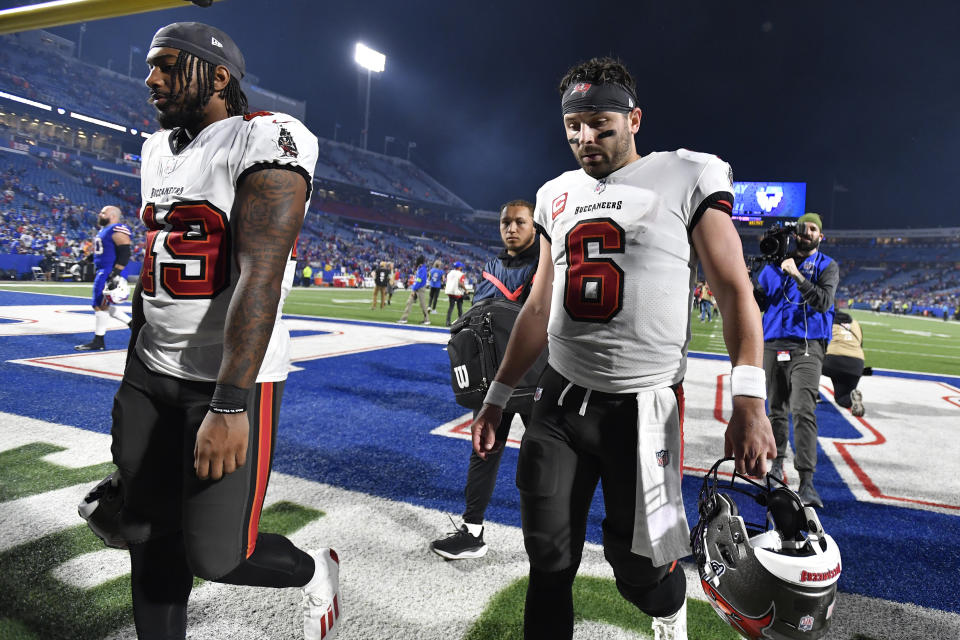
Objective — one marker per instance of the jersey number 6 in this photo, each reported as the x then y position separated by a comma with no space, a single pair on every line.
593,287
191,232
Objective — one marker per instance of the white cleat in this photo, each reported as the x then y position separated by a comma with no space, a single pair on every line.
321,597
671,627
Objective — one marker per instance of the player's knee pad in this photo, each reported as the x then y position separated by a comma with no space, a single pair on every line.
275,562
211,559
661,597
546,554
538,471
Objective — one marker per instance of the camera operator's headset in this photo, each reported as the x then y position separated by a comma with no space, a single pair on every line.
816,266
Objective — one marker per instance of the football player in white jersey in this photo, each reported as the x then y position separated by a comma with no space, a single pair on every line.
620,242
194,421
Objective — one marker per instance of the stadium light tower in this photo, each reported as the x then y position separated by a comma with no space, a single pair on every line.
371,61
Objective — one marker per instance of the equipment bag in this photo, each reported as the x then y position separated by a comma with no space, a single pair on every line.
478,340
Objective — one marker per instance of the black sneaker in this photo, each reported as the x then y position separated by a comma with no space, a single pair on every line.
93,345
101,509
460,545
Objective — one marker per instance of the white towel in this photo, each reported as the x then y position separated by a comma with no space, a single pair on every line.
660,529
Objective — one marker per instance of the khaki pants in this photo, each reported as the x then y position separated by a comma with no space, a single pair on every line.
382,291
421,297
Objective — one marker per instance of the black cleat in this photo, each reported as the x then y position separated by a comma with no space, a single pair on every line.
93,345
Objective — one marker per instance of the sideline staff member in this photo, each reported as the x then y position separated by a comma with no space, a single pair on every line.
797,300
507,276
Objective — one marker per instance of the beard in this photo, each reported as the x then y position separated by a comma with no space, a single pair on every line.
103,221
805,244
187,114
612,160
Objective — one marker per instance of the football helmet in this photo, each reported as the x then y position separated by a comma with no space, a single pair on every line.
773,580
118,289
101,509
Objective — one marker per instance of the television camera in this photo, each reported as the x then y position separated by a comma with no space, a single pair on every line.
774,245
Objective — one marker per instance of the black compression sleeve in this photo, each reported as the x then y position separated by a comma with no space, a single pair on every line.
123,254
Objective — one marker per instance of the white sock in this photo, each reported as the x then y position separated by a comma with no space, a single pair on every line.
115,312
474,529
101,318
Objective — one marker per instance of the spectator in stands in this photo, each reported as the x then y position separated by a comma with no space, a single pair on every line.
843,363
510,276
455,289
796,297
435,280
381,282
418,292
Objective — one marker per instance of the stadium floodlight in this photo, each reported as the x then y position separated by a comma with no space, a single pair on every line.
102,123
371,61
32,103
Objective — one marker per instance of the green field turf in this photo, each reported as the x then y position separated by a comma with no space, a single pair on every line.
903,343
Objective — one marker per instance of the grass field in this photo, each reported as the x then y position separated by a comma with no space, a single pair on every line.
903,343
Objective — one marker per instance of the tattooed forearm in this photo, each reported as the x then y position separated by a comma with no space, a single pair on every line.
266,218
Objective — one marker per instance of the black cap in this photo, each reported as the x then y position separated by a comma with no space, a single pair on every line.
206,42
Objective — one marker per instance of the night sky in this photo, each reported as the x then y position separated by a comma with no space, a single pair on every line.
859,100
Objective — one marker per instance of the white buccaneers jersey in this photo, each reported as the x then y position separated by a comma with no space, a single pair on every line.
189,271
624,267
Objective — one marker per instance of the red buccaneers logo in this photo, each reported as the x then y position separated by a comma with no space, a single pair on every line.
581,87
559,204
810,576
747,626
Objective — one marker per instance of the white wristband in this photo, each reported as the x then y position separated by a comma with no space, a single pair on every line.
746,380
498,394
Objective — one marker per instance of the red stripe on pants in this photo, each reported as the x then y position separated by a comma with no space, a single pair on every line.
264,435
680,406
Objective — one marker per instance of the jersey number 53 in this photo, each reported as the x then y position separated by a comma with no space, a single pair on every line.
188,252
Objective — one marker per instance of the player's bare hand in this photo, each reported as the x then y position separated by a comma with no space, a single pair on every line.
484,430
221,445
749,437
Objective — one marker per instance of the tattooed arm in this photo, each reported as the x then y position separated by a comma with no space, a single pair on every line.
266,218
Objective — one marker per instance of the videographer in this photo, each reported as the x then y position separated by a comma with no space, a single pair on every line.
796,297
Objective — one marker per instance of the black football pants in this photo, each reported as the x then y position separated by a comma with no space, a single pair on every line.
562,457
482,475
186,526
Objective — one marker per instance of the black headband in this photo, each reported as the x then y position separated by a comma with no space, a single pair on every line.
206,42
589,96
